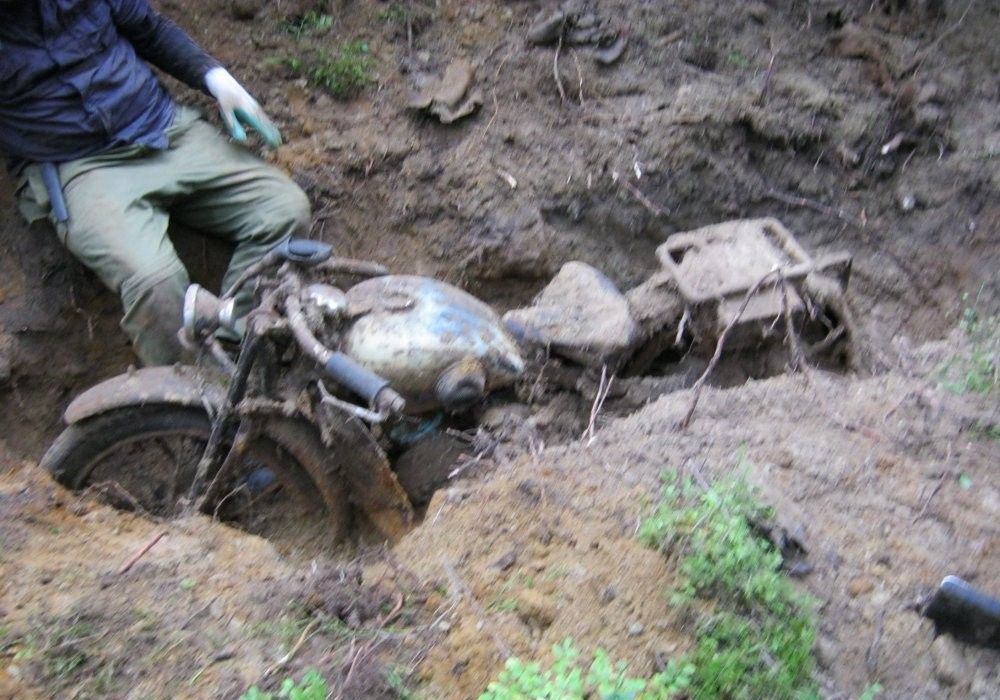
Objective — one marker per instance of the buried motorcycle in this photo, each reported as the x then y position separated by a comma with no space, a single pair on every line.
262,440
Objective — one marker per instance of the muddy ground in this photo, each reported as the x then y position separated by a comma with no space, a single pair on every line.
867,127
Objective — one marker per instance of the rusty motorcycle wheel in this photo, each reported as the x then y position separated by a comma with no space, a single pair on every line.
144,459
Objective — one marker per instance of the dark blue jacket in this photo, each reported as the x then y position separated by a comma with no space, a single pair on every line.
73,77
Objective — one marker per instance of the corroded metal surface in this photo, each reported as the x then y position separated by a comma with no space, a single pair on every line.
178,385
411,329
714,267
371,483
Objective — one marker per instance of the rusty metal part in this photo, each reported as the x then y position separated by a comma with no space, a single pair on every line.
367,384
411,329
349,408
714,266
365,468
349,266
178,385
246,434
303,442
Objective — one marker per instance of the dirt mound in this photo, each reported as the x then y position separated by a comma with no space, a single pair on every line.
868,475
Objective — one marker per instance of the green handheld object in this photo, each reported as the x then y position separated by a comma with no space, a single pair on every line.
268,131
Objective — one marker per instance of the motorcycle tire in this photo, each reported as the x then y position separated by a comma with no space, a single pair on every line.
305,517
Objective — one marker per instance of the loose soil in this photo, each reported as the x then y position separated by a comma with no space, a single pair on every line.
867,127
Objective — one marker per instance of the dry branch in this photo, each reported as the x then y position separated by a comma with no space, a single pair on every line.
555,71
698,385
603,389
142,552
796,201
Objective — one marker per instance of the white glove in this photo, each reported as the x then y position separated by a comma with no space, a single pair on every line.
238,106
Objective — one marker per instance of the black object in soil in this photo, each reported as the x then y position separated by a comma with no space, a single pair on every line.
965,613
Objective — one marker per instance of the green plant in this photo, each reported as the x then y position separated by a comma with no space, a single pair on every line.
738,60
755,631
396,679
871,692
395,13
311,22
565,680
312,687
342,74
976,369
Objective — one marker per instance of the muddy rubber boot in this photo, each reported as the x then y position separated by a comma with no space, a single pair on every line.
153,318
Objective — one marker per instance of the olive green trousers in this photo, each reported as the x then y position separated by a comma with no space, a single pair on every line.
121,201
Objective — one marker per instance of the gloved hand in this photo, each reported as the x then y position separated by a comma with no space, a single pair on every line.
238,106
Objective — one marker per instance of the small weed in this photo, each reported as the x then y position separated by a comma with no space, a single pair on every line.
396,13
501,604
977,370
341,74
311,22
187,584
566,680
871,692
27,648
756,641
312,687
397,680
63,653
738,60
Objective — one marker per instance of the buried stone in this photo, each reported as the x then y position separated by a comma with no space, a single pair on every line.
580,315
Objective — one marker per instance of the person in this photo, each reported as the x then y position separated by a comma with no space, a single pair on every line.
99,147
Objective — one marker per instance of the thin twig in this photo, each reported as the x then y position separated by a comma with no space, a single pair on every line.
283,661
603,389
769,72
555,70
937,487
916,62
871,657
102,488
142,552
698,385
796,201
579,76
795,350
643,199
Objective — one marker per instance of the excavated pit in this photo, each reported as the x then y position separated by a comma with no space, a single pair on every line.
864,128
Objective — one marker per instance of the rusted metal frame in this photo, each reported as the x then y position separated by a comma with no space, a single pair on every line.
223,418
248,431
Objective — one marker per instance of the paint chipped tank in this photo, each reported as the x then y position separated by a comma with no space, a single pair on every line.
437,345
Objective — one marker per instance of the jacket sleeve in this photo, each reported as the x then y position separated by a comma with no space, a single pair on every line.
161,42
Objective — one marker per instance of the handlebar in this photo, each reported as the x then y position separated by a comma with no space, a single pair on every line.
347,372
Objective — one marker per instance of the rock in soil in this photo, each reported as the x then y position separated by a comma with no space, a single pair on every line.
580,315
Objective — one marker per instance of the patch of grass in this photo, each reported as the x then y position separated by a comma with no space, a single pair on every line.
342,74
312,687
502,604
566,679
738,60
396,678
395,13
871,692
755,632
307,24
63,652
977,369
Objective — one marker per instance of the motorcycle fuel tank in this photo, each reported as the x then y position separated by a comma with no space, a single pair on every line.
413,330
